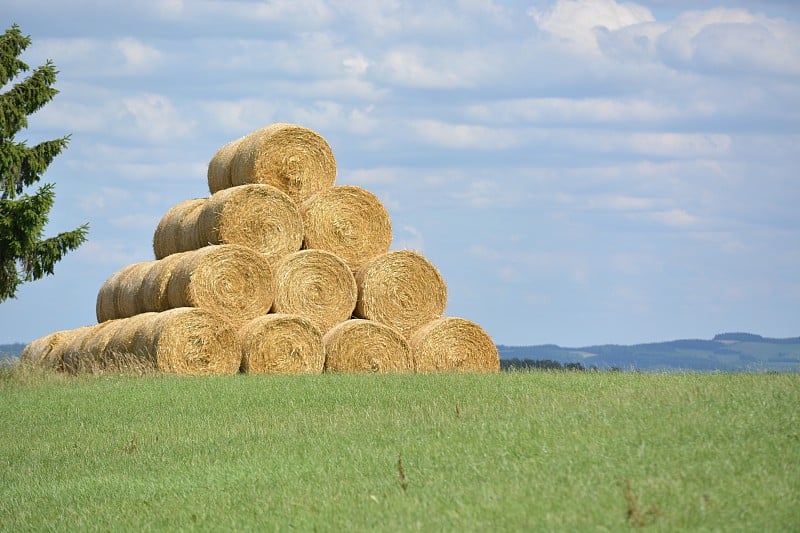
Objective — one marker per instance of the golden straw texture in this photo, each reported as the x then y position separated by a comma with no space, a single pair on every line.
366,346
153,292
348,221
292,158
117,292
219,168
228,279
41,352
171,234
188,341
316,285
281,344
452,344
258,216
401,289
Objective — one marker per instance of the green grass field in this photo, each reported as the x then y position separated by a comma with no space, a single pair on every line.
539,451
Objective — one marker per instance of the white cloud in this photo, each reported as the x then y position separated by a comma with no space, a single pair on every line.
137,55
465,136
155,118
408,237
575,21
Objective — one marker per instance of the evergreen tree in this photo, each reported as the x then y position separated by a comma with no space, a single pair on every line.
24,254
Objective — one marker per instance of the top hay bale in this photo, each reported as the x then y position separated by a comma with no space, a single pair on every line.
292,158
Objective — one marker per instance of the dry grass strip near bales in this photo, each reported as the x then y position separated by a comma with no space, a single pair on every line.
228,279
170,236
281,344
292,158
257,216
401,289
42,353
219,168
359,345
452,344
348,221
316,285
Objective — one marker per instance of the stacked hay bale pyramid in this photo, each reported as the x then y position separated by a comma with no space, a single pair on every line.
279,270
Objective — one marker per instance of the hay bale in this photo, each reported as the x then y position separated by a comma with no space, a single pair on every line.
41,352
153,292
292,158
348,221
258,216
281,344
117,297
228,279
187,341
171,234
359,345
73,348
401,289
452,344
219,168
316,285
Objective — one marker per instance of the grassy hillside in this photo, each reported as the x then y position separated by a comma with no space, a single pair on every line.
506,452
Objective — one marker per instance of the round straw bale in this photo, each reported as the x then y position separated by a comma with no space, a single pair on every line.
228,279
359,345
258,216
175,231
118,297
281,344
40,352
153,292
74,355
118,353
292,158
452,344
188,341
348,221
402,289
219,168
317,285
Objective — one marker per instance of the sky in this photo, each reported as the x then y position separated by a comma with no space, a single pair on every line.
580,171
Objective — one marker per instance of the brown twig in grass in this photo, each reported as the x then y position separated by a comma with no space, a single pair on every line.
637,516
401,473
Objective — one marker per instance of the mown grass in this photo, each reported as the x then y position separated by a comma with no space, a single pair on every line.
543,451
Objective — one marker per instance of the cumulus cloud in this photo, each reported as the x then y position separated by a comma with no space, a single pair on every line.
137,55
155,118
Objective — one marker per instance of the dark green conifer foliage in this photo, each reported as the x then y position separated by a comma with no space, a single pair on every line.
24,254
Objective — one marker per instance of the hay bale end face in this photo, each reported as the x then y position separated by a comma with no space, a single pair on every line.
452,344
257,216
401,289
228,279
348,221
292,158
316,285
281,344
359,345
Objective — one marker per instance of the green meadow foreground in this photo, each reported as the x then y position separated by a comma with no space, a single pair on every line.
537,451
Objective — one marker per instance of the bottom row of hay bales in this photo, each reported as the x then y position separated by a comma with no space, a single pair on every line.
195,341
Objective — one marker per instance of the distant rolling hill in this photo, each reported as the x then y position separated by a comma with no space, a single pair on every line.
728,352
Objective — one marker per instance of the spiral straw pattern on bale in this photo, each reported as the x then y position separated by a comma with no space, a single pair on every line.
348,221
316,285
452,344
281,344
401,289
292,158
228,279
258,216
359,345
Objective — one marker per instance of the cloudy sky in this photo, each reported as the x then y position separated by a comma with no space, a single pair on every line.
580,171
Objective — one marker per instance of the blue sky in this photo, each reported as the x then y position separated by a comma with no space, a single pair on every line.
580,171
